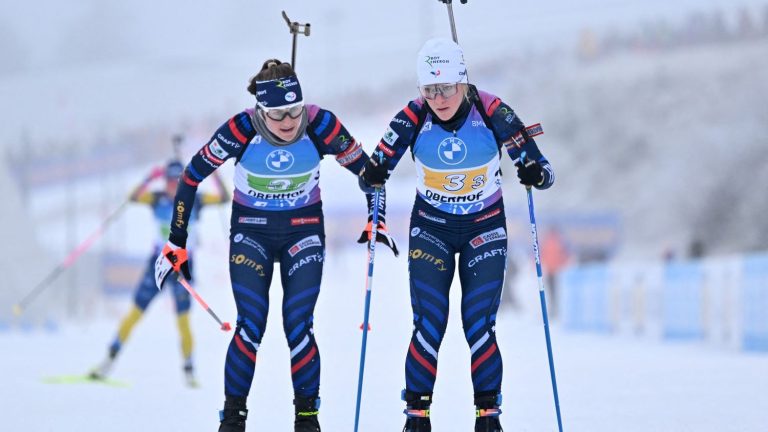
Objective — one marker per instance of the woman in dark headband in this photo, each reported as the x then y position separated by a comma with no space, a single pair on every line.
276,216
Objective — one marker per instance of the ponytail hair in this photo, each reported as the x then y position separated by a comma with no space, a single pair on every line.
270,70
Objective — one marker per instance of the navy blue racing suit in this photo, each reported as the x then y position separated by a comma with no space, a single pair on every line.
458,211
276,216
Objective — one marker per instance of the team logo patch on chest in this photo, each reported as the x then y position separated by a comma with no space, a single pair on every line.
280,160
452,151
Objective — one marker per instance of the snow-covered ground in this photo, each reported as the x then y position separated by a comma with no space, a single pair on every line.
606,383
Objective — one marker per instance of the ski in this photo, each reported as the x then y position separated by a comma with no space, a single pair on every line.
85,379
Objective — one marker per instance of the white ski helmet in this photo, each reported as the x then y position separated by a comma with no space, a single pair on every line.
441,61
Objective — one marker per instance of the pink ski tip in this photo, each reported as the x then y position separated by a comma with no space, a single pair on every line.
226,327
369,326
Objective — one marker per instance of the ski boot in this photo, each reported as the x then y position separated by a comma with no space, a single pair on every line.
417,410
487,412
306,414
101,371
234,414
189,375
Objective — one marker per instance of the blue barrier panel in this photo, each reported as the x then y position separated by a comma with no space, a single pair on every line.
682,317
755,303
586,305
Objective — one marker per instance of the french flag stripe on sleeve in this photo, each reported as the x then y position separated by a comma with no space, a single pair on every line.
495,104
236,132
333,134
411,115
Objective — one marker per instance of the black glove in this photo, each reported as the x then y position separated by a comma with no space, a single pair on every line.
374,173
530,173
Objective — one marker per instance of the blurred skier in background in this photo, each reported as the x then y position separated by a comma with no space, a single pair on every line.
276,216
555,256
456,134
161,203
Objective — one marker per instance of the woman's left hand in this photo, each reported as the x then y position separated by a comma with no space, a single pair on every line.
382,236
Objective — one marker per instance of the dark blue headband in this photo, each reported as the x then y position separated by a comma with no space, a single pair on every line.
278,92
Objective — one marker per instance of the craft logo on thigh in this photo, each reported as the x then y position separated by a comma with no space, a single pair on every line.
314,258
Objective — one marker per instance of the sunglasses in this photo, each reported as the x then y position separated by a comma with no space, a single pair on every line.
446,90
278,114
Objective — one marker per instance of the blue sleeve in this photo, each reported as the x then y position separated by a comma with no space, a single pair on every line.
516,138
334,139
228,142
399,136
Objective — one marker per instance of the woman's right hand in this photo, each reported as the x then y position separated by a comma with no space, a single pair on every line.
374,174
173,257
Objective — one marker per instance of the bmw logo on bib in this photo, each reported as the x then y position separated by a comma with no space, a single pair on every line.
452,151
280,160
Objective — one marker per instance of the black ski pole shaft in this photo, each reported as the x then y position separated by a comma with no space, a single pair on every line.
73,255
449,4
453,22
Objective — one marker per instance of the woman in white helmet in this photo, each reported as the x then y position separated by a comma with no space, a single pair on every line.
456,134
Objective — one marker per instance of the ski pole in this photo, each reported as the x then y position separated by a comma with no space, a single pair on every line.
449,4
19,307
543,300
368,285
295,28
225,326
